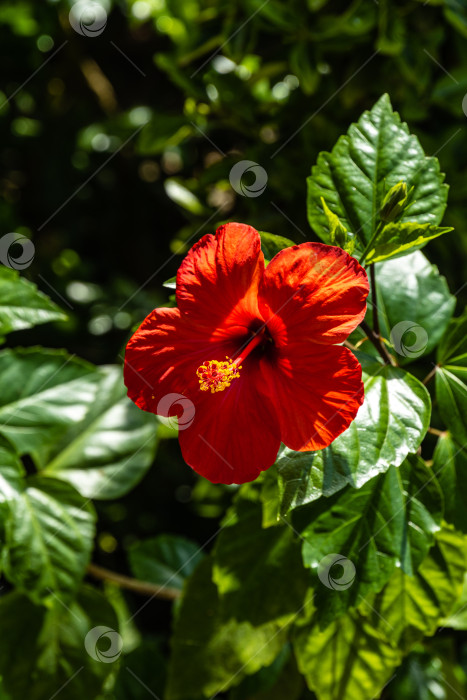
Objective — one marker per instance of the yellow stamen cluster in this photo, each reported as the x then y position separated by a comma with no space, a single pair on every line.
217,376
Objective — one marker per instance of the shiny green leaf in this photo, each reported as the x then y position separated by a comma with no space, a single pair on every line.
387,523
413,298
397,239
105,452
49,534
377,153
22,305
411,607
347,660
42,392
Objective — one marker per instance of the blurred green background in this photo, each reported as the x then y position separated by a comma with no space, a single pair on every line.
118,138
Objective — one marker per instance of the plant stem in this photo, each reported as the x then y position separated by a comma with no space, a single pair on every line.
369,245
430,375
375,301
132,584
376,340
435,431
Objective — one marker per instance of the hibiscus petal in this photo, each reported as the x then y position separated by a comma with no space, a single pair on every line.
217,283
161,360
235,433
313,292
317,394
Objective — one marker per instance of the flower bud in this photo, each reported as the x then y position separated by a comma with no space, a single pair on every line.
394,203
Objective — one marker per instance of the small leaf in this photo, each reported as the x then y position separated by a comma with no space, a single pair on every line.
272,244
170,283
166,560
22,305
397,239
182,196
388,522
49,534
338,234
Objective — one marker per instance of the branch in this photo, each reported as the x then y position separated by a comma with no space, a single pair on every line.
132,584
376,340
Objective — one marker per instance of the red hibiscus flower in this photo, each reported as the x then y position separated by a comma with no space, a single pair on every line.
249,357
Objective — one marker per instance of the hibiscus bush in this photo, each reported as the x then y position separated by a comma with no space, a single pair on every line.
252,487
344,548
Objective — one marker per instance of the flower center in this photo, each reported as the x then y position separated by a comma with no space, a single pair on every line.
218,375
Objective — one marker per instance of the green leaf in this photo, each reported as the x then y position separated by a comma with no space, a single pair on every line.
52,645
411,607
338,234
41,393
452,350
457,617
412,298
272,244
182,196
11,472
450,467
397,239
170,283
451,393
210,652
49,534
387,523
347,660
142,669
246,557
109,448
377,153
166,560
278,681
22,305
391,424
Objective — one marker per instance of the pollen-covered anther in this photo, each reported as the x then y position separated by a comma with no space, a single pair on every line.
217,376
